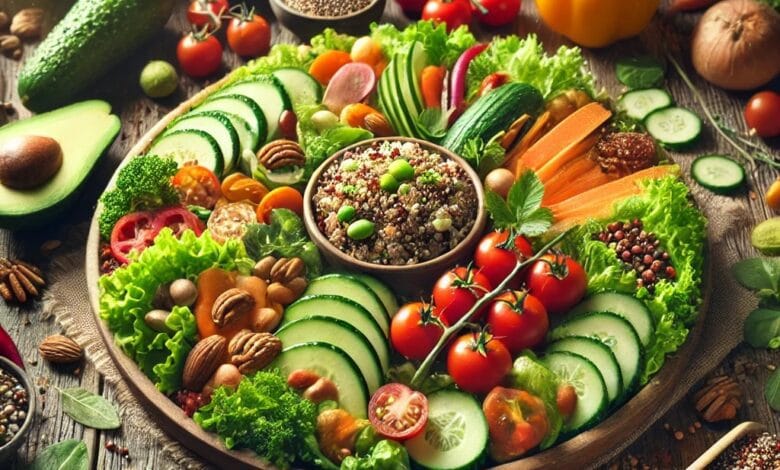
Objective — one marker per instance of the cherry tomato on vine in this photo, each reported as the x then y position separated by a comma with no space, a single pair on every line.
496,257
478,362
518,320
558,281
517,421
457,291
249,35
198,12
415,330
199,56
197,186
762,113
398,412
495,12
453,13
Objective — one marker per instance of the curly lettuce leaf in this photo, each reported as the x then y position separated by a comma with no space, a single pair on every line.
441,47
385,455
126,296
280,56
330,40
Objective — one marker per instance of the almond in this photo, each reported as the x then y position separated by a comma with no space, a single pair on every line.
202,361
377,124
60,349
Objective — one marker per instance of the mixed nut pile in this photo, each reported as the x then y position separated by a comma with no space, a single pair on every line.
26,25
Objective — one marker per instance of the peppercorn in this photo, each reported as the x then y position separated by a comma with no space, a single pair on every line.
13,406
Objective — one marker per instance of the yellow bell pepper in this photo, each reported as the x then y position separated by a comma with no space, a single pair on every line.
597,23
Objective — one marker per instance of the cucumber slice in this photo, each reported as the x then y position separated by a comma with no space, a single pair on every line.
718,173
389,97
342,309
352,289
338,333
301,87
416,60
246,140
382,291
268,93
639,103
616,333
244,108
587,381
188,146
675,128
331,362
600,355
626,306
456,436
218,126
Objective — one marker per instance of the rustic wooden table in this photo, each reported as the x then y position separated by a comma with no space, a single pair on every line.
673,442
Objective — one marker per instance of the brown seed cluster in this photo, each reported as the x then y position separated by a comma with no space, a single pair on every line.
640,251
190,401
19,281
625,152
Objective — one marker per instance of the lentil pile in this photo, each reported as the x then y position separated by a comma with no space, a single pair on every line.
395,203
13,406
754,452
328,8
640,251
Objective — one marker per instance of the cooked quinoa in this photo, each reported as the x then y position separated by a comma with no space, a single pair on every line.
428,215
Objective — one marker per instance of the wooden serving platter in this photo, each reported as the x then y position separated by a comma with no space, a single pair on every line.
584,450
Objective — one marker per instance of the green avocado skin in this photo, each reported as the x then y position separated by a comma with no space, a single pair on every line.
94,36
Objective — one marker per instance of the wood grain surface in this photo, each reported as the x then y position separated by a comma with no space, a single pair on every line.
673,442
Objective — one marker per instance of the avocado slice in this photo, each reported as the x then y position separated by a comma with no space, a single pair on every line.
84,131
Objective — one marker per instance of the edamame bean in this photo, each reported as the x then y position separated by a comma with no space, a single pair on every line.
360,229
345,213
388,183
401,170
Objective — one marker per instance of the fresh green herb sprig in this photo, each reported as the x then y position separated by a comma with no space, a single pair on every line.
483,157
522,211
761,275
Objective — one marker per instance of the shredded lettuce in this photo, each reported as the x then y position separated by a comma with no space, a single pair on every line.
441,47
330,40
280,56
126,296
285,237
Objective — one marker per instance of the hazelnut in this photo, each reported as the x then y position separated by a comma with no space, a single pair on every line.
183,292
29,161
226,375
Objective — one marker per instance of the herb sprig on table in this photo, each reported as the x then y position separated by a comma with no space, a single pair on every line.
522,211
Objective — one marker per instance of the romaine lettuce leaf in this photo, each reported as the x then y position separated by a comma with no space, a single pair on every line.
441,47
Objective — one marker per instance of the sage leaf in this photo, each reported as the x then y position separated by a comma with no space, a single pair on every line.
772,390
640,72
65,455
762,328
89,409
758,273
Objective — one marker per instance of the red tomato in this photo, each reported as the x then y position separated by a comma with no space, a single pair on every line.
477,362
177,219
762,113
453,13
411,7
496,258
198,11
457,291
199,57
492,81
398,412
517,422
518,320
197,186
249,36
557,281
415,331
133,232
495,12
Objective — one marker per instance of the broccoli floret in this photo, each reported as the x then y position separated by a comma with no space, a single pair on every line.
143,184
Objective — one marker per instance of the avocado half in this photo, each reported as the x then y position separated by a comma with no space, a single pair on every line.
84,131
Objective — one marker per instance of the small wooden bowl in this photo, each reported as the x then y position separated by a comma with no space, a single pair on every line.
8,451
406,280
741,430
305,26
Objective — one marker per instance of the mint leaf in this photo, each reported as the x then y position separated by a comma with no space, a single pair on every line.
522,210
536,223
499,210
483,157
758,273
640,72
526,194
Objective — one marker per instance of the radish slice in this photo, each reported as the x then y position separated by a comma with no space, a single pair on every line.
351,84
458,76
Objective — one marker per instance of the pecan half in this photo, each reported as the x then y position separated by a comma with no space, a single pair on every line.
281,153
230,305
719,399
59,349
202,361
251,352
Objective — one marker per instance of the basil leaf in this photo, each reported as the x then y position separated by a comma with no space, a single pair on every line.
65,455
89,409
640,72
762,328
772,390
758,273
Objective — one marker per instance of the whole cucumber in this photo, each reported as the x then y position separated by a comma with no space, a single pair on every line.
94,36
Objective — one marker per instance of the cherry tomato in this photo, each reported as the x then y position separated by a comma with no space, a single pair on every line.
197,186
495,12
199,57
411,7
198,12
133,232
415,331
239,187
496,258
518,320
478,362
249,35
398,412
557,281
177,219
517,421
457,291
492,81
762,113
453,13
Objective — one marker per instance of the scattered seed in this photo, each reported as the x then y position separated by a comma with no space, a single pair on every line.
679,435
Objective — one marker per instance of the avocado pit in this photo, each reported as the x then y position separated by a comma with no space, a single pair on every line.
29,161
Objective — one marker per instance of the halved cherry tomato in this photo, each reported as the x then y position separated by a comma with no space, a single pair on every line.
478,362
558,282
199,55
249,35
239,187
398,412
280,198
518,320
492,81
517,421
197,186
496,256
177,219
415,330
432,84
133,232
457,291
198,12
327,64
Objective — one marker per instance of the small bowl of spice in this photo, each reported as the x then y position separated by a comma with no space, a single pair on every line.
404,210
307,18
747,446
17,407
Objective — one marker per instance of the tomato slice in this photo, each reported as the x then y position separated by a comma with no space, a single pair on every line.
197,186
177,219
398,412
134,231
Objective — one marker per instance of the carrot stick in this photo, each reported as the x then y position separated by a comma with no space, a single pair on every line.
534,133
553,165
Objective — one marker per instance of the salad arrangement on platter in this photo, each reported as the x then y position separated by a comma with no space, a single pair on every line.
245,303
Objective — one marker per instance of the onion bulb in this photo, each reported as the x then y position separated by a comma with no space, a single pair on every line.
736,44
